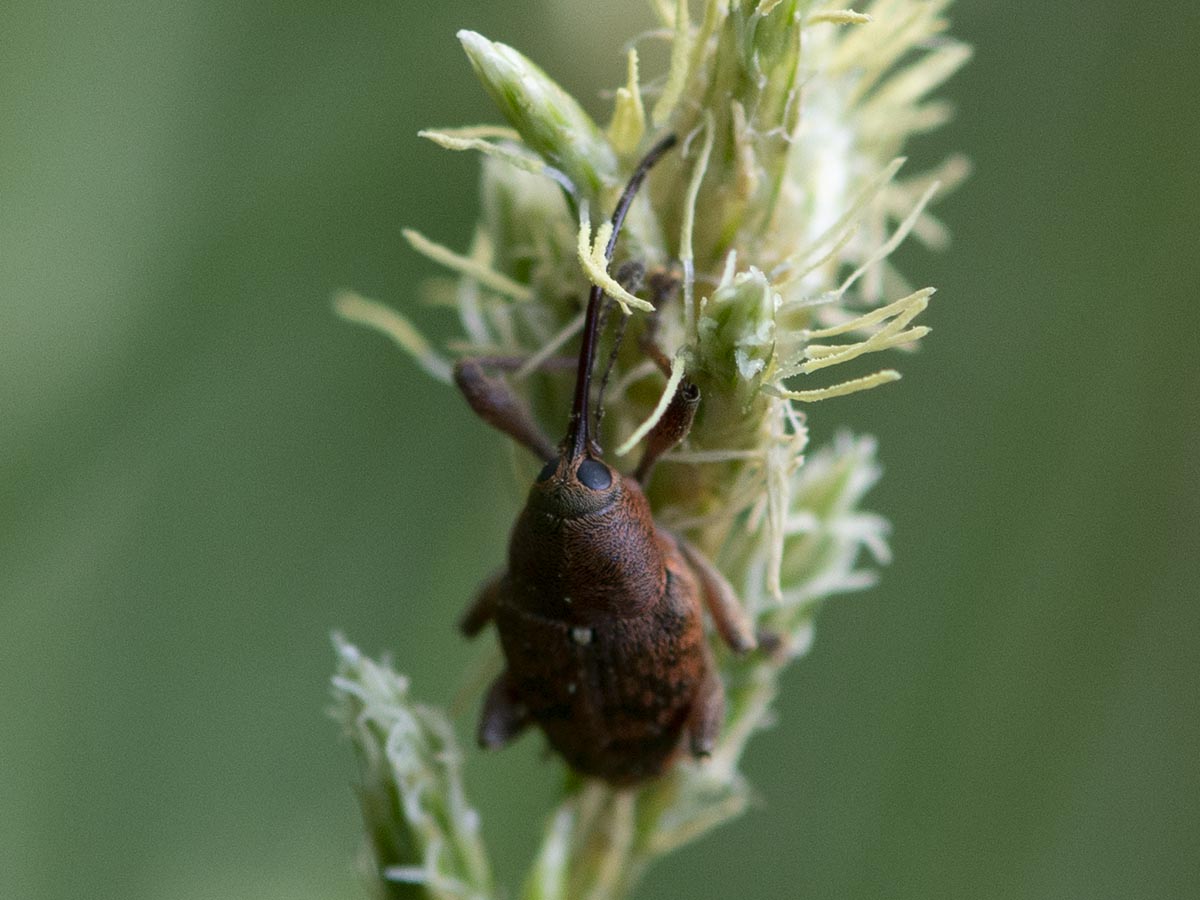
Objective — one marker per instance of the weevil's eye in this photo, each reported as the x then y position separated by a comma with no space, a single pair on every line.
548,471
594,474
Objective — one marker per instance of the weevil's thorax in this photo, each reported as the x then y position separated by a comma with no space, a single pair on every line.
585,548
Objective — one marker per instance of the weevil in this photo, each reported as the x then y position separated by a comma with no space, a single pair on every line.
599,611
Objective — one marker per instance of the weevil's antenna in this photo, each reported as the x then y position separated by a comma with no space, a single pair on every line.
577,440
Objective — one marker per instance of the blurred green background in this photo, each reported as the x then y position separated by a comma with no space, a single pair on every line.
202,472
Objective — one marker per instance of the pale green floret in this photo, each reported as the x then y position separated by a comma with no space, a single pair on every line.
628,124
548,119
736,337
778,212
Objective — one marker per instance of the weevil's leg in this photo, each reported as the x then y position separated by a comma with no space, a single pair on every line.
494,402
672,428
663,287
482,608
676,422
503,716
707,713
631,275
776,646
719,596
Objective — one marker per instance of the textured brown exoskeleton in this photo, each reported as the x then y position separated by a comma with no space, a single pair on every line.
599,611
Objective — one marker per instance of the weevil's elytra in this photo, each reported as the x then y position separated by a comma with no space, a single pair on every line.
599,610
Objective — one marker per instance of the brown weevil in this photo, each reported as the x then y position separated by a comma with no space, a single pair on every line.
599,611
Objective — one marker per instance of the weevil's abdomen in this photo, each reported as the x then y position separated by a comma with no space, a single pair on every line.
612,696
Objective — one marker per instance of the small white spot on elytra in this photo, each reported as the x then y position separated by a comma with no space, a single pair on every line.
567,600
572,688
581,636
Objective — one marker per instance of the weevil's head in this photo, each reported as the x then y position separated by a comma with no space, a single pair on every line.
575,485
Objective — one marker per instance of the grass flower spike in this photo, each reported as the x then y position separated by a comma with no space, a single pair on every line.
420,830
775,218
